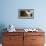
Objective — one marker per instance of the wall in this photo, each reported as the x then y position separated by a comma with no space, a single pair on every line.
9,13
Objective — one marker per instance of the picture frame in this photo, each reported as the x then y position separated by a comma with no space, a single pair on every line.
26,13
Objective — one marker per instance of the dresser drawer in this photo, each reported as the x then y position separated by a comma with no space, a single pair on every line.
12,39
37,44
34,33
27,41
13,44
13,33
37,39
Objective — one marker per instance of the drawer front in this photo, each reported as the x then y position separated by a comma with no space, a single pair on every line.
34,33
12,44
13,33
27,41
37,39
37,45
12,39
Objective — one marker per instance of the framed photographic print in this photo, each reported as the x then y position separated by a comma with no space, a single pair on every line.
26,13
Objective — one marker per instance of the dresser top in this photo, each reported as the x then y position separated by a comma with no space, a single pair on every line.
22,30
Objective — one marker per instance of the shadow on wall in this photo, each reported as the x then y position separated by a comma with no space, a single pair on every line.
2,26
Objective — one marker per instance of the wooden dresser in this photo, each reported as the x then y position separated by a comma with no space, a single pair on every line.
23,39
